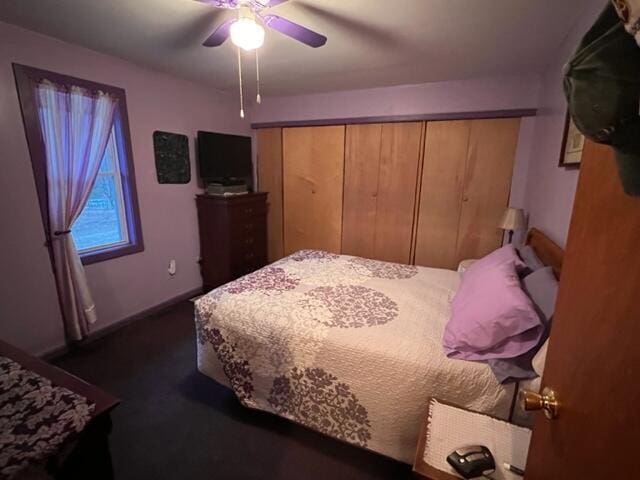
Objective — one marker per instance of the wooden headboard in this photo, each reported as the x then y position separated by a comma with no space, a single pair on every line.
549,252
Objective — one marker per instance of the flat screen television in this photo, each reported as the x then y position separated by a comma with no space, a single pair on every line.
224,158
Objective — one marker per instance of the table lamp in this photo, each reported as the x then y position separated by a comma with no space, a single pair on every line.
513,219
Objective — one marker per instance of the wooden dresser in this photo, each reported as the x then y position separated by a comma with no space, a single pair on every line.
233,236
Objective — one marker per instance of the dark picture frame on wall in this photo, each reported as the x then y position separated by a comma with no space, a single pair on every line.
572,145
171,152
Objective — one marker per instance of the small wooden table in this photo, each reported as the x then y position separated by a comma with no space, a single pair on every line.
421,469
90,456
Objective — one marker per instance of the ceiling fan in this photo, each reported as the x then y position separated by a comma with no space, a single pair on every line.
246,33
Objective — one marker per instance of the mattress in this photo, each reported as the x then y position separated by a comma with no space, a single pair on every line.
347,346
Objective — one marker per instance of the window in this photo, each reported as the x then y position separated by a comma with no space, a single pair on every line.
103,222
109,225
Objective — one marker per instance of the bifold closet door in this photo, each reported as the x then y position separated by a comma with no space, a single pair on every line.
361,174
381,171
466,180
487,184
313,175
400,153
443,170
270,180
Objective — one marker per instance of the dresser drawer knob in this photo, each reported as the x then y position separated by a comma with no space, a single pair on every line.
248,210
248,241
249,256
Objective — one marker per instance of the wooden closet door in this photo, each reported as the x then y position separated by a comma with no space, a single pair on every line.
441,192
270,180
400,154
313,174
487,183
361,173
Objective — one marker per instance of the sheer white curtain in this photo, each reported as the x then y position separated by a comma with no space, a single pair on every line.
75,127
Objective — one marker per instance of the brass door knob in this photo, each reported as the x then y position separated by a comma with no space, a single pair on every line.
548,402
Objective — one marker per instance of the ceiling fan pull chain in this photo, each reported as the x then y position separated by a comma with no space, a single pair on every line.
240,82
258,97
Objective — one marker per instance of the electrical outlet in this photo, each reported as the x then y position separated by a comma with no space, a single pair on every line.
172,267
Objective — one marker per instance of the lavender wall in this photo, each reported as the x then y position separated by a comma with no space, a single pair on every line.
485,94
550,190
122,287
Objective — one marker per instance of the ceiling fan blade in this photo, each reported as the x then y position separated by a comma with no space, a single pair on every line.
269,3
219,36
229,4
295,31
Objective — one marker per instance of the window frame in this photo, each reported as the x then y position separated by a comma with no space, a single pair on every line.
27,78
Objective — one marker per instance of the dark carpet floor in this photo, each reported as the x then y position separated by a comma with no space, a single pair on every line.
175,423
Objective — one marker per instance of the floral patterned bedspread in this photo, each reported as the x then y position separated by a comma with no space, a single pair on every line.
347,346
36,418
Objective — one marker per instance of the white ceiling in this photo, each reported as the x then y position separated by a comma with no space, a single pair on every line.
371,42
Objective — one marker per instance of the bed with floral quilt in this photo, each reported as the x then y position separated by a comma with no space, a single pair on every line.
344,345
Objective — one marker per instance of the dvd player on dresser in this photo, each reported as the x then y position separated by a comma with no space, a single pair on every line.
226,189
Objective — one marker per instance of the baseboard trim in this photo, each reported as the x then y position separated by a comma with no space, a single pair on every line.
154,310
56,352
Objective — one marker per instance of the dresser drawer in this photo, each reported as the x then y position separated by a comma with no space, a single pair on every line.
247,248
253,227
246,211
252,241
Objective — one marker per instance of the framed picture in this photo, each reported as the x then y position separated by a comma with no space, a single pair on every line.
172,157
572,145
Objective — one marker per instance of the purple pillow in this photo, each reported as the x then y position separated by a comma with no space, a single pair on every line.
500,256
542,288
491,316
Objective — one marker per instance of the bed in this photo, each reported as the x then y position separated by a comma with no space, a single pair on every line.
348,346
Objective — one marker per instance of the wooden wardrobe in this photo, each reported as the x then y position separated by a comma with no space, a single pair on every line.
429,193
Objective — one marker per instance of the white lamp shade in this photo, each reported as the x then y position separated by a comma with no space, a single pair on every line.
247,34
513,219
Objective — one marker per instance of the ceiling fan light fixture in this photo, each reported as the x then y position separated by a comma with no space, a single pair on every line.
246,34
